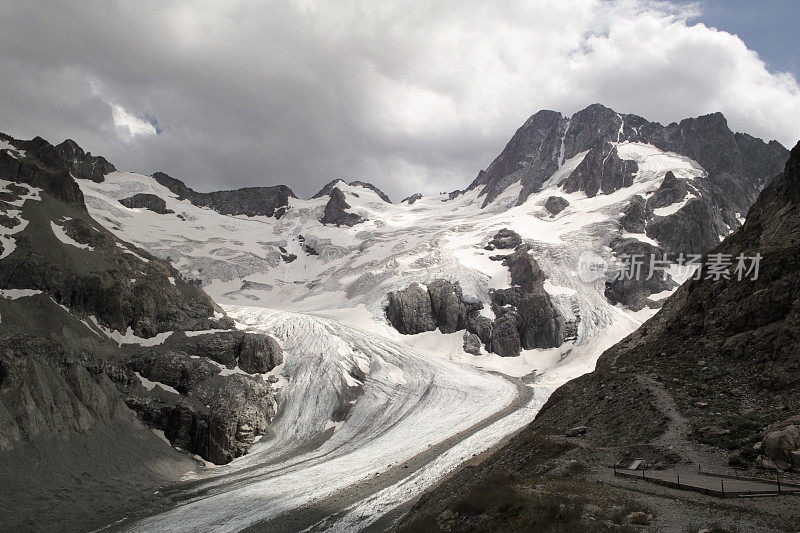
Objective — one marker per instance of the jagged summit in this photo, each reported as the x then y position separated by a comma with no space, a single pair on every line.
549,141
328,189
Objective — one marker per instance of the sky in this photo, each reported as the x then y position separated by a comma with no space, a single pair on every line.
411,96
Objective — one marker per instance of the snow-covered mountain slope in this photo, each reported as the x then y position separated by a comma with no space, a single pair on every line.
239,259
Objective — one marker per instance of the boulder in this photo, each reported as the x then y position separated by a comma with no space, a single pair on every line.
576,431
556,204
780,446
472,343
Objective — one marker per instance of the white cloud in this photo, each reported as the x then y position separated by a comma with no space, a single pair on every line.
406,95
132,123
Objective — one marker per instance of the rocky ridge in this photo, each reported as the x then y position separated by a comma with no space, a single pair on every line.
735,165
249,201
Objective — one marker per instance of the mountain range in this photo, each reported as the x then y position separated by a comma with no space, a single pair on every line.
359,350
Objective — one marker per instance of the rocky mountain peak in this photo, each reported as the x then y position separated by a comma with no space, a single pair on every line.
84,165
328,189
547,140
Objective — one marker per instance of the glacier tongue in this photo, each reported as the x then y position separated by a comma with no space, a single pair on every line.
396,404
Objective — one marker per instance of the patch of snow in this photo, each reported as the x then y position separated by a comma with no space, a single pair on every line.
150,385
673,208
129,337
639,237
13,294
62,236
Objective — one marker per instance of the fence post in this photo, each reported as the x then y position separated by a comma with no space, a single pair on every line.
679,478
778,477
722,484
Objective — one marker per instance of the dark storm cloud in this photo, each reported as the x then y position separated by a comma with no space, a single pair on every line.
410,97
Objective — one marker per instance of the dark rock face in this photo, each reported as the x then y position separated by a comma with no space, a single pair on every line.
505,239
447,306
636,215
411,199
146,201
601,171
254,353
218,419
410,310
695,228
556,204
531,156
505,334
635,291
335,211
259,353
83,165
45,392
249,201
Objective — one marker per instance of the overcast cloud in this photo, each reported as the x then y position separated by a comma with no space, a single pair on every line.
410,96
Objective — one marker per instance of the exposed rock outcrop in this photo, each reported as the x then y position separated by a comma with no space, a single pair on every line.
411,199
556,204
781,445
410,311
672,190
472,343
525,315
335,211
737,166
601,171
147,201
538,322
505,239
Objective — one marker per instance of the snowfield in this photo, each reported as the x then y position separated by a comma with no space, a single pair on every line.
368,418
